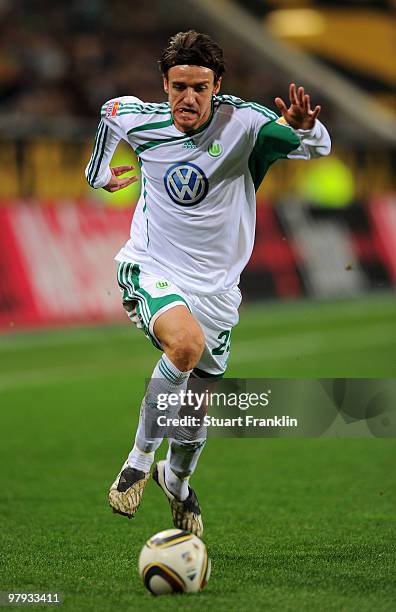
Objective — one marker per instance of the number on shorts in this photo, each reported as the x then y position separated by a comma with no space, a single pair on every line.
224,336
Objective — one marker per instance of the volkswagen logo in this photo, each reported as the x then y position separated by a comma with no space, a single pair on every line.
186,184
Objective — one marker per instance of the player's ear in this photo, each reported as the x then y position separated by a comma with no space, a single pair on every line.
165,83
217,86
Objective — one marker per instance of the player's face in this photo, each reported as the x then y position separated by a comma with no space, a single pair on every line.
190,90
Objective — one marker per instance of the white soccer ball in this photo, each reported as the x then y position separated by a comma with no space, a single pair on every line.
174,561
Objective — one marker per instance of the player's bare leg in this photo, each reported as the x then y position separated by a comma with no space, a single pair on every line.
183,342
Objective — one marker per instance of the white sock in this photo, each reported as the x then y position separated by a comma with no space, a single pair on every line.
177,486
140,460
166,378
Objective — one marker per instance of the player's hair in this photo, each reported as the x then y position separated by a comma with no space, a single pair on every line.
195,49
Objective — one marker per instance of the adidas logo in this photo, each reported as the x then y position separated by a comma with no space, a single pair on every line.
189,144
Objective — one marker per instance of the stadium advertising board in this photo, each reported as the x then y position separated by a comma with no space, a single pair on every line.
57,261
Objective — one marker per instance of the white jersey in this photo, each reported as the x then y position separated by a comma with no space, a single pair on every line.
195,220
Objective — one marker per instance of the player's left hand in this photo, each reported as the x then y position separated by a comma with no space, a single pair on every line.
115,184
299,115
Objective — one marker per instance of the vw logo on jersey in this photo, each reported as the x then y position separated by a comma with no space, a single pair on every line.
186,184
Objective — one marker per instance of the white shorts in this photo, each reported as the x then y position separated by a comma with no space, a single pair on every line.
146,296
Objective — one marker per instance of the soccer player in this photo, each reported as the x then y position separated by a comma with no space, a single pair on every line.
203,156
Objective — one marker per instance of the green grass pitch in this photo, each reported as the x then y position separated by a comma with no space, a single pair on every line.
290,524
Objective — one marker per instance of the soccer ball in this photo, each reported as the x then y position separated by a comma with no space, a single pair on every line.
174,561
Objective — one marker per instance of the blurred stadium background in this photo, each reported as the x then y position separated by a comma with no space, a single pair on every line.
325,230
319,301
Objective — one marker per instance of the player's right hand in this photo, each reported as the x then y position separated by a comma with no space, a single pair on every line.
115,184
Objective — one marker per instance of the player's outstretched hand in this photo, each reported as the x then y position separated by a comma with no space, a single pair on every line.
299,115
115,184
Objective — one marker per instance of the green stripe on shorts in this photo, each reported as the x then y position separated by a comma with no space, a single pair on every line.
128,275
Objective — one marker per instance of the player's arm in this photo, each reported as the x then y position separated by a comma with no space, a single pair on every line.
298,134
98,171
312,134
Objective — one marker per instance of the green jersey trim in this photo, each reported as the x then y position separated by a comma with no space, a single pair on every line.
95,151
151,126
263,110
274,141
139,112
144,210
146,105
144,193
97,155
154,143
162,124
139,108
204,125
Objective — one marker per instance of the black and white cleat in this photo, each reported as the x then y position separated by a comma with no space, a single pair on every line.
126,491
186,514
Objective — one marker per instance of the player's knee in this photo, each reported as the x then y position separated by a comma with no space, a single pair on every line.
185,348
